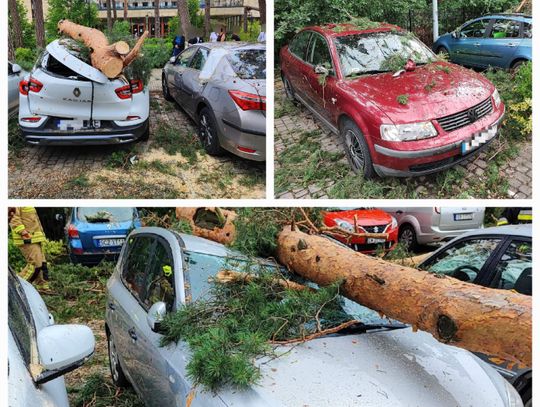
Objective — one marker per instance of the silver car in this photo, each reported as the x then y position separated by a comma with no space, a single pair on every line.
383,363
15,74
419,226
222,86
40,352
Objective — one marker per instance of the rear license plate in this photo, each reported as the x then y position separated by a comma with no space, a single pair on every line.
372,240
110,242
478,139
463,216
66,124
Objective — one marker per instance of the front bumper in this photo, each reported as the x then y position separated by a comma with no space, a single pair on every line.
110,134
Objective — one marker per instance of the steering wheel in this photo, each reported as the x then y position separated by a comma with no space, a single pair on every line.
462,275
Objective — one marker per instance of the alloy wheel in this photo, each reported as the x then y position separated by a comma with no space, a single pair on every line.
354,149
407,237
113,359
206,130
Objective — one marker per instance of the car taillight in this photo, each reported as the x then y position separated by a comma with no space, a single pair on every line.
136,86
33,85
248,101
246,149
73,232
125,92
31,119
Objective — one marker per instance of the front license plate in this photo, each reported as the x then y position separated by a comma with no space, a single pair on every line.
110,242
463,216
482,137
372,240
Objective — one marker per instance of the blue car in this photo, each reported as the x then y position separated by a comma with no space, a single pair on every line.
94,234
498,40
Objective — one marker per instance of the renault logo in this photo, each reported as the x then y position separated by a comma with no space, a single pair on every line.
77,92
472,115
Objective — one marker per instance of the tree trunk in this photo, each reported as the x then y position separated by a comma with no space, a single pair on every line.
37,9
109,18
115,15
262,13
15,30
207,6
11,49
108,58
157,22
491,321
183,16
125,9
211,223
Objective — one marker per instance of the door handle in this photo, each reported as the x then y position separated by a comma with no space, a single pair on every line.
399,212
112,306
476,44
512,45
132,334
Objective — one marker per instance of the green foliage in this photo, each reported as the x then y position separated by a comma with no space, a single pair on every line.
254,29
55,251
78,11
196,19
394,63
403,99
26,57
232,327
177,141
97,391
15,258
157,51
27,28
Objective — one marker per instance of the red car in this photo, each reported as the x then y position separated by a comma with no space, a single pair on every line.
399,110
368,220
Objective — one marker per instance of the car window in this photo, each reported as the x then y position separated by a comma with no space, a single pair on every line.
299,44
249,64
319,54
463,260
105,214
10,69
476,29
134,268
160,277
503,28
527,30
184,58
199,59
514,270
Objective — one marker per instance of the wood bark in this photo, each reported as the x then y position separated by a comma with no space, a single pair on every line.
230,276
125,9
15,29
157,21
262,13
136,49
183,16
109,18
115,16
37,10
490,321
207,7
205,223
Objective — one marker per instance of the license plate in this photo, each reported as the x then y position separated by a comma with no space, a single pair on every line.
76,124
372,240
110,242
463,216
482,137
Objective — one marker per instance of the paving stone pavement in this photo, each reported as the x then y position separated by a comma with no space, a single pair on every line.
289,128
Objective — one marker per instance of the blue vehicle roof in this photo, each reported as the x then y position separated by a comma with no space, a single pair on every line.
510,16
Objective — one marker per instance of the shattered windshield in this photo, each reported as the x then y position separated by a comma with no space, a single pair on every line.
361,54
249,64
105,215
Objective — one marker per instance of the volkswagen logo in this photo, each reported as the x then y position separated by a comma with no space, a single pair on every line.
77,92
472,115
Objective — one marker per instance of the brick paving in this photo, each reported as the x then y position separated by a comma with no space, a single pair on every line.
289,128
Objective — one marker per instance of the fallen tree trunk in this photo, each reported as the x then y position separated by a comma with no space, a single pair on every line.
211,223
480,319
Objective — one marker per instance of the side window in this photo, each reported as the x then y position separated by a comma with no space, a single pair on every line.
463,260
10,69
299,44
475,30
160,277
514,270
184,58
20,322
505,29
319,54
136,264
199,59
527,30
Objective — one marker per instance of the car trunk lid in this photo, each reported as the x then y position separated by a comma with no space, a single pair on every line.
459,218
104,236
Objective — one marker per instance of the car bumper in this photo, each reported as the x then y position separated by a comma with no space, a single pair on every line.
437,235
94,258
409,163
246,143
112,134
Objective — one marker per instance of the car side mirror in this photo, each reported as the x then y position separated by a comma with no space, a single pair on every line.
321,70
155,315
61,349
456,34
16,68
172,59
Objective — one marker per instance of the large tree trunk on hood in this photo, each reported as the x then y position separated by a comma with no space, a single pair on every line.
211,223
491,321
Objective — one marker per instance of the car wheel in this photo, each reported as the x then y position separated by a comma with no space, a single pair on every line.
208,133
442,51
165,89
357,150
515,66
289,91
117,374
407,237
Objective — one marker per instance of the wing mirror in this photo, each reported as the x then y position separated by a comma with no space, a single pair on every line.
155,315
456,34
61,349
321,70
16,68
172,59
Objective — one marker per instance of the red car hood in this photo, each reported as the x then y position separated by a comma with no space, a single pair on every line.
431,91
365,217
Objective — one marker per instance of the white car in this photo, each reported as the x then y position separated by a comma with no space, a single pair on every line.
15,74
66,101
40,352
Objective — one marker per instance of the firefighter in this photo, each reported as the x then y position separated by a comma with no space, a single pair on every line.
28,236
515,216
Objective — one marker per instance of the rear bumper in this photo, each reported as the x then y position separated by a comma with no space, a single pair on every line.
94,258
233,137
103,136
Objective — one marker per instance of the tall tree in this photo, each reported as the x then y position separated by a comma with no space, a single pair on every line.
37,10
109,17
157,21
125,9
183,15
15,29
207,6
115,16
262,12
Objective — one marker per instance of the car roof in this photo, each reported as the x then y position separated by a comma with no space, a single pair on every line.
351,29
524,230
231,45
510,16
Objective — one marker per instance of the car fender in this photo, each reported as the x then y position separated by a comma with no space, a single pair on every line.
411,220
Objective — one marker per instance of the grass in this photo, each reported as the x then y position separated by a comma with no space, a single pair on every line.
15,139
80,181
98,391
178,141
159,166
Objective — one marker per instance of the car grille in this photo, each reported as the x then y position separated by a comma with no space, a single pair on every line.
374,229
462,119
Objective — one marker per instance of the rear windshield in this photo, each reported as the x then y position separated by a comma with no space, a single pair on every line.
52,65
249,64
104,215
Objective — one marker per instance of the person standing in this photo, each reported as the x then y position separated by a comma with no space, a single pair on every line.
221,36
213,36
28,236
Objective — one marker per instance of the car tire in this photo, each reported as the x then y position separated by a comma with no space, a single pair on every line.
165,89
289,91
515,66
443,51
208,133
407,237
357,150
117,374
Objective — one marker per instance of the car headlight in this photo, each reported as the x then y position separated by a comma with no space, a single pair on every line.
513,398
343,224
394,223
408,132
497,98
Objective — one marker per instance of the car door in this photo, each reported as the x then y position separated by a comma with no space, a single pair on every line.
13,88
468,49
174,78
502,42
296,65
190,85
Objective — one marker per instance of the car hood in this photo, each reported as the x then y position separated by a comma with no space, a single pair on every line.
431,91
364,217
387,368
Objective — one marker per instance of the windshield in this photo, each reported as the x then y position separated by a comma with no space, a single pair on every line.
249,64
105,215
361,54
